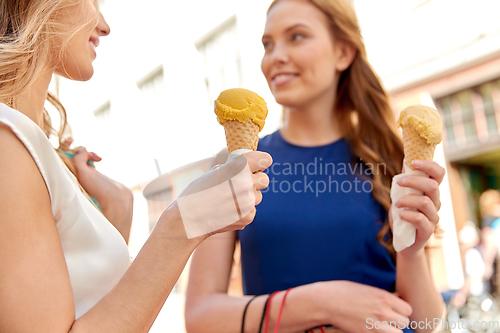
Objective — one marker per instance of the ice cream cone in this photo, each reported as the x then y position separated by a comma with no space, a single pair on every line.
416,147
242,113
241,136
422,132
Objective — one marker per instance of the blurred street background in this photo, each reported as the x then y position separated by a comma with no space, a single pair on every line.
148,110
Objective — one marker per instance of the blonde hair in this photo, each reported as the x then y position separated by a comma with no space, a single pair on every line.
362,109
34,33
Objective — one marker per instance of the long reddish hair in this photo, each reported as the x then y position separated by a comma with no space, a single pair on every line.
362,109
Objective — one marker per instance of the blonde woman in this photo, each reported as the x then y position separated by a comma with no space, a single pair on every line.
323,227
64,266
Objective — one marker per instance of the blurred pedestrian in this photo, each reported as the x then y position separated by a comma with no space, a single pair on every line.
473,264
489,207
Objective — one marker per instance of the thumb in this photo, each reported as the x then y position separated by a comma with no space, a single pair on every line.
258,161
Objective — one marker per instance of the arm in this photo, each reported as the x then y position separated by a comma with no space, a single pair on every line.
210,309
346,305
115,199
413,279
414,284
132,306
35,290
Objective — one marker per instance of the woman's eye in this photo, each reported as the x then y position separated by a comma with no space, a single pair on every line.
297,37
266,45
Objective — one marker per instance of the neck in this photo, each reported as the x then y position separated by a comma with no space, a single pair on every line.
32,100
314,124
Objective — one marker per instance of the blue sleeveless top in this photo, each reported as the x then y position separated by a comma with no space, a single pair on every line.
317,222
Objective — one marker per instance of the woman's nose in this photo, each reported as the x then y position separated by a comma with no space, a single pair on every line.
279,54
102,26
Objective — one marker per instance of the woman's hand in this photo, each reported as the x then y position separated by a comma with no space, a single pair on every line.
105,190
354,307
224,198
423,208
258,162
115,200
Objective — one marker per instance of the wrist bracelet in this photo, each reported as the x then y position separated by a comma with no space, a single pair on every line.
321,328
263,314
244,314
281,311
268,312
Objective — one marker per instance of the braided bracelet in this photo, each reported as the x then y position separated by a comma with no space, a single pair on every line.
245,313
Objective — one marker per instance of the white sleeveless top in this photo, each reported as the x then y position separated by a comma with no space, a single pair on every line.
95,252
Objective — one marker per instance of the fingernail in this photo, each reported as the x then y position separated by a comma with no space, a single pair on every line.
401,180
416,163
97,157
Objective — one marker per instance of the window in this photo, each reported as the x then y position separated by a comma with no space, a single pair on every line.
471,116
416,4
487,91
221,57
152,88
447,120
464,99
153,101
103,113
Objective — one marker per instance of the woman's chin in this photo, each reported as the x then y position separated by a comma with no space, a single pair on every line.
77,75
287,100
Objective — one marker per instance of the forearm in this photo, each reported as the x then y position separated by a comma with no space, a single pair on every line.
414,284
222,313
133,305
117,207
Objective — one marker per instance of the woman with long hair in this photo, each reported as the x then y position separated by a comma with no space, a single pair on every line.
64,264
323,229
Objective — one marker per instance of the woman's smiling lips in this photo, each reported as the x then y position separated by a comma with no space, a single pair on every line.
94,42
280,79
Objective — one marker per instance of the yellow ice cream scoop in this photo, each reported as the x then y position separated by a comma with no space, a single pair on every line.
425,120
422,131
241,105
243,114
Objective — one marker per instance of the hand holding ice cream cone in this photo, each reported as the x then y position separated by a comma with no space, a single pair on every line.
422,132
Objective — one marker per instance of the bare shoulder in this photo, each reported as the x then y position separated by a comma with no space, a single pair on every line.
18,171
35,284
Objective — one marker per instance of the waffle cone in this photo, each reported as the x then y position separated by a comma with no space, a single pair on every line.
416,147
241,136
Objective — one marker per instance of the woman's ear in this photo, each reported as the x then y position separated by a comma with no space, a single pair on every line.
345,53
